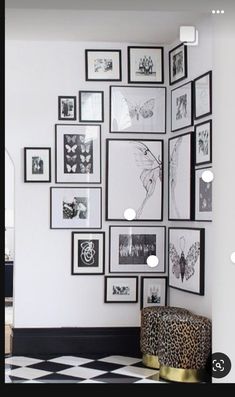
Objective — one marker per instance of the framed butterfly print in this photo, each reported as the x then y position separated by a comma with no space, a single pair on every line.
77,153
138,109
186,259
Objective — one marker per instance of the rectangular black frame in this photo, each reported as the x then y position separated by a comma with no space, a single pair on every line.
59,107
105,289
103,50
185,63
129,65
25,164
142,288
191,106
80,106
210,95
195,146
195,217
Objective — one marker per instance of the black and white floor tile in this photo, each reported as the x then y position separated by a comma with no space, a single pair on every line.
78,369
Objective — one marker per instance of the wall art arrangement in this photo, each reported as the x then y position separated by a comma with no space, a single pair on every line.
37,164
181,107
91,106
178,64
145,65
203,95
121,289
153,291
103,65
203,197
203,143
67,107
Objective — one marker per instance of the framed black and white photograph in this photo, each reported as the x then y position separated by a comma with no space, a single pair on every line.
203,143
203,95
203,197
37,164
181,107
178,64
67,107
75,208
134,179
153,291
186,259
88,253
145,65
91,106
77,153
138,109
121,289
130,247
103,65
181,178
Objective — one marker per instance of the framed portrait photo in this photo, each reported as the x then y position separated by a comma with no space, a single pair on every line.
181,107
130,247
203,197
67,107
178,64
153,291
134,179
91,106
145,65
88,253
37,164
75,208
103,65
203,143
121,289
77,153
138,109
181,178
186,259
203,95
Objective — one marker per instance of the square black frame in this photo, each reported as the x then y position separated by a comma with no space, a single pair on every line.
195,145
191,107
129,64
59,107
105,289
210,95
80,106
185,64
25,164
142,288
103,50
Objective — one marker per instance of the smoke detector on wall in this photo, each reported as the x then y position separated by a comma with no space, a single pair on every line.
189,35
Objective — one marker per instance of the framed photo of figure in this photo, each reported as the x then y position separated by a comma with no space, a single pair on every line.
77,153
145,65
181,178
181,107
203,143
153,291
186,259
203,194
103,65
88,253
203,95
130,247
67,107
121,289
91,106
75,208
178,64
37,164
135,177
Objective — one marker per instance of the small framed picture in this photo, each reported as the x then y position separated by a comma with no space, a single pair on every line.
88,253
153,292
203,194
91,106
181,107
103,65
203,143
178,64
121,289
37,164
67,107
75,208
203,95
145,65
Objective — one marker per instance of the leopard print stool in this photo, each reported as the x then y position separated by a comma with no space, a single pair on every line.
149,332
184,347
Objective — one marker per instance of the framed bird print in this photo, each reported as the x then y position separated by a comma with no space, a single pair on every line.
186,259
134,179
77,153
138,109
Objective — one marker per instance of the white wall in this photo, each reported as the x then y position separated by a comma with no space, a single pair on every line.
9,202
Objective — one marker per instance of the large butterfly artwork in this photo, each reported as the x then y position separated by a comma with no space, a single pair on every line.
145,110
183,266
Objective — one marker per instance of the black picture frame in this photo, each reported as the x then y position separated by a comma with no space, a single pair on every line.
184,62
183,90
88,253
38,164
203,197
208,144
107,278
173,158
72,99
102,77
143,278
134,51
206,91
94,119
176,254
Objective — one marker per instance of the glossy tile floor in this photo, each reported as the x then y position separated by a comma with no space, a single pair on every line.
78,369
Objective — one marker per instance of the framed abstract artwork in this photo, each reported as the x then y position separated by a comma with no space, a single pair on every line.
130,246
67,107
181,107
186,259
88,253
203,143
121,289
37,164
91,106
103,65
153,291
145,65
134,179
203,197
203,95
178,64
77,153
75,208
138,109
181,178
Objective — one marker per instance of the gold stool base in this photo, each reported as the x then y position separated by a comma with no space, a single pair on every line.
182,374
150,361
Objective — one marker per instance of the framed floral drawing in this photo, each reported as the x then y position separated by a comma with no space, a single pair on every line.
178,64
103,65
121,289
203,95
181,107
203,197
153,291
145,65
203,143
37,164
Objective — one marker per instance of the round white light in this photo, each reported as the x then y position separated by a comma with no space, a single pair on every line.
213,11
152,261
218,12
129,214
207,176
232,257
222,11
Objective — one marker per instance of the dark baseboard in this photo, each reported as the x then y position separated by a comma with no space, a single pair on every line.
113,340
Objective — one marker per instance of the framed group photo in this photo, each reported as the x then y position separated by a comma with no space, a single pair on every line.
67,107
91,106
178,64
153,291
37,164
203,95
181,107
103,65
122,289
203,197
203,143
145,65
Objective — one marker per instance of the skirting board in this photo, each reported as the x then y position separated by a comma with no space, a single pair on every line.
107,341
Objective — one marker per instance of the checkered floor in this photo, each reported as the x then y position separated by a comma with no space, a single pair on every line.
78,369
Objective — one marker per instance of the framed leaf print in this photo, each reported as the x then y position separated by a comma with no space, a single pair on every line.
178,64
181,107
203,143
